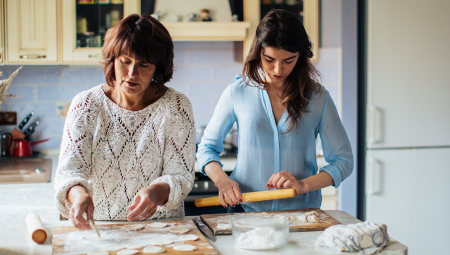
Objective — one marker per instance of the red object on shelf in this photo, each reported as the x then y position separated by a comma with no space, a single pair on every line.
22,148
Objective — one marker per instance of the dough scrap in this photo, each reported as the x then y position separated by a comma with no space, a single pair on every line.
158,224
127,252
301,219
223,226
98,253
313,218
311,213
179,230
185,247
190,237
153,249
161,241
134,227
264,214
114,247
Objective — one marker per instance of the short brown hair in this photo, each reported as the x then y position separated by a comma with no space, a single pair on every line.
284,30
147,39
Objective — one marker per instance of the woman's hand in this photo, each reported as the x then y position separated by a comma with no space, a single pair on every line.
81,204
285,180
145,202
229,191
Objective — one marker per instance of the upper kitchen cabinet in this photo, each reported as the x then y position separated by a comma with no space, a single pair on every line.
2,48
306,10
84,24
31,32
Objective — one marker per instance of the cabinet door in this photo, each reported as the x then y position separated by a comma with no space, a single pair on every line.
31,32
84,25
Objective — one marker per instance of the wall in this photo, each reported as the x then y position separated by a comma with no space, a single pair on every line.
203,70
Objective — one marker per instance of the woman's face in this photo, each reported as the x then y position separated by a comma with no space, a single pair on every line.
132,76
277,64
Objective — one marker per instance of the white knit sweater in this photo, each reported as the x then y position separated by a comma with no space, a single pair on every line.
114,152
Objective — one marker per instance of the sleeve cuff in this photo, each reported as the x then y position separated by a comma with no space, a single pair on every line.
335,174
172,201
62,203
202,169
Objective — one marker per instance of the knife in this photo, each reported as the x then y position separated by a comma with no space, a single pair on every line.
30,130
25,121
204,229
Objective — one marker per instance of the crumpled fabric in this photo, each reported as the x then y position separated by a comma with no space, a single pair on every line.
365,237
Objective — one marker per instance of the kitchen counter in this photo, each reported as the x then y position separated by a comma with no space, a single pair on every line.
16,200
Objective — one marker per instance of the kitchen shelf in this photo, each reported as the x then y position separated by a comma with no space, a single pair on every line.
207,31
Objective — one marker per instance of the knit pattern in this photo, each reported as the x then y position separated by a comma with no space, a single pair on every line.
114,153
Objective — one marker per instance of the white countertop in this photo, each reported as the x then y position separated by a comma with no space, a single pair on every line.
16,200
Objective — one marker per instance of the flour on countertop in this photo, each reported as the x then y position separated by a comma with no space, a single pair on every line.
261,238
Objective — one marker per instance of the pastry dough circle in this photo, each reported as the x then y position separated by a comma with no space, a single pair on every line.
157,224
127,252
134,227
179,230
98,253
185,247
190,237
161,241
153,249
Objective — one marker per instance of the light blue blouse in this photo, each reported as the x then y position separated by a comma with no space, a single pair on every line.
264,148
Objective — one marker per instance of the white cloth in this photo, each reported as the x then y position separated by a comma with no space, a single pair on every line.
365,237
114,152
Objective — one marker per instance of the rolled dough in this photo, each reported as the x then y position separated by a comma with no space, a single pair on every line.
161,241
114,247
190,237
153,249
127,252
157,224
135,246
134,227
179,230
98,253
223,226
185,247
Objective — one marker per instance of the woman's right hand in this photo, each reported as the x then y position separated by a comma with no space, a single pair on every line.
229,190
81,204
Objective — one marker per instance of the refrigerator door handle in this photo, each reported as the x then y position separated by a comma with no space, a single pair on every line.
374,173
374,125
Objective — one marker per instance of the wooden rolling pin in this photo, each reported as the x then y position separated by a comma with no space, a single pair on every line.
249,197
36,228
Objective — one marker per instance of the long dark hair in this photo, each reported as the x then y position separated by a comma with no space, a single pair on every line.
284,30
145,37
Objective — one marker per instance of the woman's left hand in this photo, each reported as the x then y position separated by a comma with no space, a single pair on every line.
145,202
284,180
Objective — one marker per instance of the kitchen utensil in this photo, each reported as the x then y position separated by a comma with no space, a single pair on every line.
36,229
22,148
30,130
5,143
94,228
25,121
260,233
213,220
204,229
249,197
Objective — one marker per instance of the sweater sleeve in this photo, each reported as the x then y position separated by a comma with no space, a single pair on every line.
74,165
335,144
179,153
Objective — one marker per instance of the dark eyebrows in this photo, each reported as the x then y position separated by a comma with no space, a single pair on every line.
283,59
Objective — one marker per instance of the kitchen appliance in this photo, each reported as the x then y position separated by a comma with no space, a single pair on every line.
6,141
249,197
408,121
203,187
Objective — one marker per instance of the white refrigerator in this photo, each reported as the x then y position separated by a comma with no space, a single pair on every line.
407,183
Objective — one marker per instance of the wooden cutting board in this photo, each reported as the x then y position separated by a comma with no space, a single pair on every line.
212,220
69,240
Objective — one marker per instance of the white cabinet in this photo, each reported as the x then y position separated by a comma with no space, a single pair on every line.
80,25
2,48
31,32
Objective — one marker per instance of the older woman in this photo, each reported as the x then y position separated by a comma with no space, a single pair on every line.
128,148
